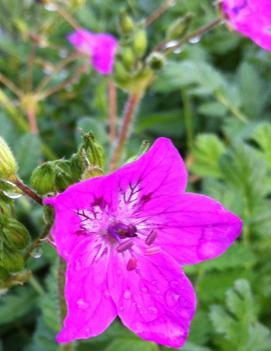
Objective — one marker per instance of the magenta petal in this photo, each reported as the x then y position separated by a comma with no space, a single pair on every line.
90,309
160,172
252,18
196,228
156,300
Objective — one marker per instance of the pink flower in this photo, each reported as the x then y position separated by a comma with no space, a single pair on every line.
100,47
252,18
124,237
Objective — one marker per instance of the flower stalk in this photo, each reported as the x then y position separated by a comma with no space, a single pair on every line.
28,191
129,113
112,111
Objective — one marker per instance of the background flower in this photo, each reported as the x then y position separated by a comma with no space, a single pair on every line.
101,47
252,18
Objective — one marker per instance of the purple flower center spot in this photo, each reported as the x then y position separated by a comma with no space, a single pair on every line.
120,230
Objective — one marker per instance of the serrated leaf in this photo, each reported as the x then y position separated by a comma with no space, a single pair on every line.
237,321
206,153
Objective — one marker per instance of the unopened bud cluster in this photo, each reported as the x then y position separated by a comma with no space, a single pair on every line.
56,176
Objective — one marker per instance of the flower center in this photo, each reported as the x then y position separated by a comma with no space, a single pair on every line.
120,230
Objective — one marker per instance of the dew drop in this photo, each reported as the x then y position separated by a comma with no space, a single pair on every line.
178,50
175,284
82,304
171,298
12,195
121,308
50,7
127,294
171,44
107,293
195,40
37,252
144,289
153,309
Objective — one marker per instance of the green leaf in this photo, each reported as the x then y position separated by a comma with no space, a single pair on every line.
237,322
17,304
206,153
262,136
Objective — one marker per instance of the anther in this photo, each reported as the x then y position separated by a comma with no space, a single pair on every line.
132,264
125,246
152,251
151,237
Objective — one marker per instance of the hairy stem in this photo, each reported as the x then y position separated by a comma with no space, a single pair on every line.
28,191
159,12
197,33
112,111
129,114
32,120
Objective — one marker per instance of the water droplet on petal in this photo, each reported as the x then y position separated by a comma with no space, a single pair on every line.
144,289
107,293
153,310
127,294
37,252
82,304
171,298
121,308
207,250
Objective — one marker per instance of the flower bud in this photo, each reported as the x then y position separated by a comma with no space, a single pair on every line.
140,43
11,261
16,236
92,150
126,23
8,166
91,172
156,60
63,174
179,27
43,178
128,57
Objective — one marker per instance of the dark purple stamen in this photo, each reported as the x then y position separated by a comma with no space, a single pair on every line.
126,245
121,231
132,264
151,237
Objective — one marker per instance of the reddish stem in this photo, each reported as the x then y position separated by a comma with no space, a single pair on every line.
31,116
129,113
112,96
28,191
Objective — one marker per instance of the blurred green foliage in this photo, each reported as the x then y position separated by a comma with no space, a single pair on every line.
212,98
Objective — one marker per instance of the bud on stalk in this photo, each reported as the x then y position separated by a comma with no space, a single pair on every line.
8,166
